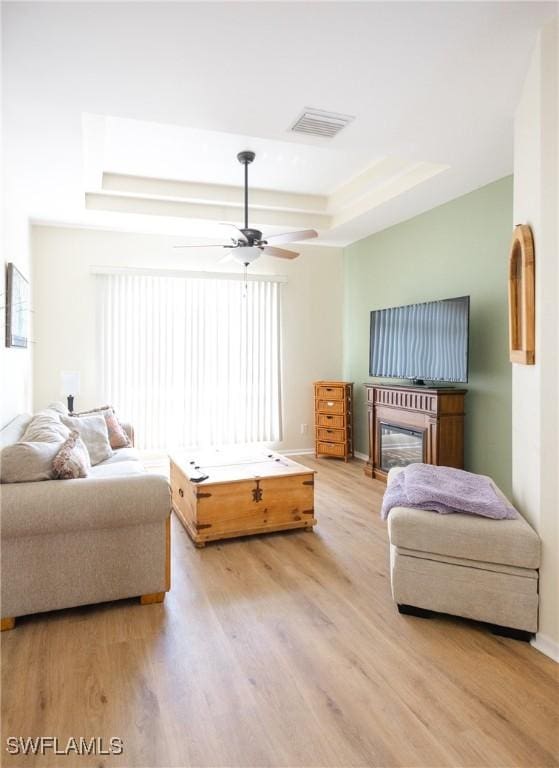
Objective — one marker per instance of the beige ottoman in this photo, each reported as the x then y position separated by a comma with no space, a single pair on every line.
465,565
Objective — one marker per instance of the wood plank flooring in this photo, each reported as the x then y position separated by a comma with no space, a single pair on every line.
281,650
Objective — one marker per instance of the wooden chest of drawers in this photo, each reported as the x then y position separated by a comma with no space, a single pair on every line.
333,430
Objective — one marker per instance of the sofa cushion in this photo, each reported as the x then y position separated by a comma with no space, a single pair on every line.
14,429
117,469
93,431
45,427
28,462
510,542
123,454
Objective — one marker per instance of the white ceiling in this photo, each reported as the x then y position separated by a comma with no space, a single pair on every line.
175,152
177,89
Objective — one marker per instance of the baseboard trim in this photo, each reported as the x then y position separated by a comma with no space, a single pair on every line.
546,645
303,451
294,451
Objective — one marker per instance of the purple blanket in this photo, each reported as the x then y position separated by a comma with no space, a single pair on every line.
444,490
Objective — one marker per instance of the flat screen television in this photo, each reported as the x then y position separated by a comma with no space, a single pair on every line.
422,342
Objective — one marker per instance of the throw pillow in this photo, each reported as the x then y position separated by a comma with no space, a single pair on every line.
72,460
45,427
58,407
94,433
117,435
28,462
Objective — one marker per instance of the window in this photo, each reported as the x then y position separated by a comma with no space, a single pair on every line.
191,360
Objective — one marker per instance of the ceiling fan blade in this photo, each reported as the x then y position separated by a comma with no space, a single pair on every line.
280,253
240,236
291,237
205,245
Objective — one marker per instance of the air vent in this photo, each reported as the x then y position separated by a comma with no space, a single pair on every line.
316,122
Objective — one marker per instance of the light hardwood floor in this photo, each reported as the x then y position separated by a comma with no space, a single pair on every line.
281,650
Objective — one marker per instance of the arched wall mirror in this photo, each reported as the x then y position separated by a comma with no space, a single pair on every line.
522,320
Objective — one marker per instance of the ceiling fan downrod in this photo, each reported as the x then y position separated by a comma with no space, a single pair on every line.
249,243
246,158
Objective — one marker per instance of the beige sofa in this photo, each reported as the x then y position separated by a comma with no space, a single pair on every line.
465,565
66,543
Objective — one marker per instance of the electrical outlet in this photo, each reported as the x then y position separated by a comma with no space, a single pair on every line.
304,429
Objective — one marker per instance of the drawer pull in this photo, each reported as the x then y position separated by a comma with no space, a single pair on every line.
330,403
328,389
329,418
329,431
181,492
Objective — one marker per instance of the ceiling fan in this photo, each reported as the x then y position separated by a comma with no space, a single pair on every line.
249,243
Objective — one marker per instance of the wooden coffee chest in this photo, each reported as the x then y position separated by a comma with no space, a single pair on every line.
240,494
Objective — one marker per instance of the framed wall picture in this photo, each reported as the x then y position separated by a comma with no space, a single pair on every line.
17,308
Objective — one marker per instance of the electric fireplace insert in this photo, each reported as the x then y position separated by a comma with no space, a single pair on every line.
400,446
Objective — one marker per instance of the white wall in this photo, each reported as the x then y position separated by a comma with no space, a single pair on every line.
15,364
65,312
536,388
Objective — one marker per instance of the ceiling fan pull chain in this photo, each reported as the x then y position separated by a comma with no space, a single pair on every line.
245,290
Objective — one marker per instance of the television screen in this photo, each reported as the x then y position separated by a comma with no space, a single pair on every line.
421,341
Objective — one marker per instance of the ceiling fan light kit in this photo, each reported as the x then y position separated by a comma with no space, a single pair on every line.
246,255
249,243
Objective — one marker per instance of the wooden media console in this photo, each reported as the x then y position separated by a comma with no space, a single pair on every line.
414,424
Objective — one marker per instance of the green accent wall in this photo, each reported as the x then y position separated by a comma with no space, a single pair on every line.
457,249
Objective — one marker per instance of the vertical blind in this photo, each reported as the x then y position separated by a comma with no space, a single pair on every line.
192,361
